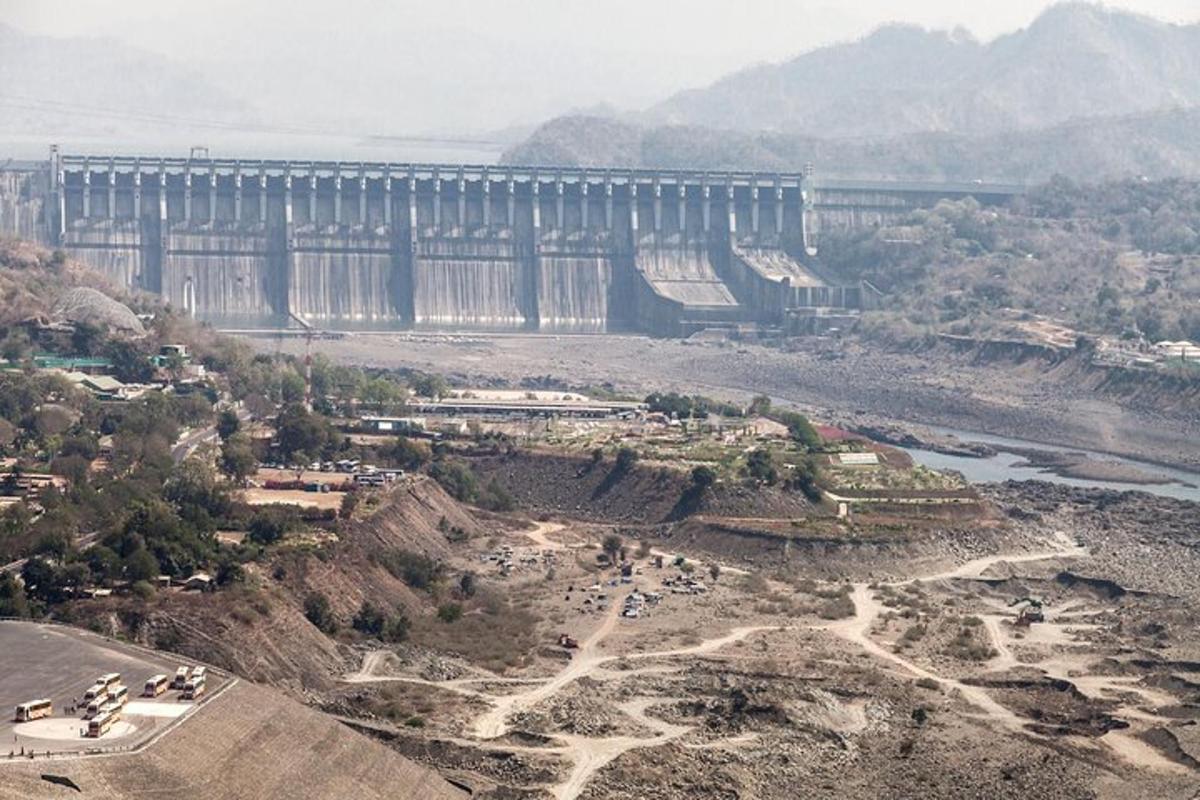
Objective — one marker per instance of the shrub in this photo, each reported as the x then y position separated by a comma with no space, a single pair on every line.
760,465
369,619
837,608
703,477
349,503
612,546
395,629
418,571
496,498
457,479
450,612
626,458
318,612
268,525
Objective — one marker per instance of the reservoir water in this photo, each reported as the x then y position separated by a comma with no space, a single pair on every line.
1007,466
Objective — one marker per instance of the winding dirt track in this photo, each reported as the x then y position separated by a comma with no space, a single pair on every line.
867,610
589,754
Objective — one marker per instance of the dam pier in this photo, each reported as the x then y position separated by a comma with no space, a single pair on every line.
381,246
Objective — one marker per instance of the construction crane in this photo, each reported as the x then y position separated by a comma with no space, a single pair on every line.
309,333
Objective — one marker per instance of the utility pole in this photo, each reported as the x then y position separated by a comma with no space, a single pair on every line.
309,332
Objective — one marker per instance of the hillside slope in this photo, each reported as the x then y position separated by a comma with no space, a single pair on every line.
250,742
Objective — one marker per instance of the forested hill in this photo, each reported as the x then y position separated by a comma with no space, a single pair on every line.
1156,145
1075,61
1118,259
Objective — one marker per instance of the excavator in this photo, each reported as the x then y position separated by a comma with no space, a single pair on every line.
1030,612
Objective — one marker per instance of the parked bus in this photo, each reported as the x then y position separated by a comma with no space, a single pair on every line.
98,726
199,673
194,689
119,696
96,707
110,680
155,686
181,676
94,691
34,709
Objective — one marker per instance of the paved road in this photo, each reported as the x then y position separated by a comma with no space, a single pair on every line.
188,443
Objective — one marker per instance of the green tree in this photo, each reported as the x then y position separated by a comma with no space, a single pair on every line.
626,458
369,619
761,466
348,504
291,387
141,565
319,612
425,385
43,580
228,424
86,339
104,563
466,584
703,477
405,453
801,430
760,406
269,525
457,479
612,545
298,429
130,363
15,345
13,602
395,629
237,457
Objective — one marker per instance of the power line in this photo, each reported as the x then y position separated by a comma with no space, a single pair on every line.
79,110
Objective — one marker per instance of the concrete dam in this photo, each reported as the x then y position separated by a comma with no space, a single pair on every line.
379,246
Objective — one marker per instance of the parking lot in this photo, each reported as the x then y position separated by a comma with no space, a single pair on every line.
61,663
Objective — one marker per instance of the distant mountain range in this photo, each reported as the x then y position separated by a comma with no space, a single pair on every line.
1074,61
101,86
1084,91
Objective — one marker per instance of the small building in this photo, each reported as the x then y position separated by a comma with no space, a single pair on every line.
868,459
393,424
199,582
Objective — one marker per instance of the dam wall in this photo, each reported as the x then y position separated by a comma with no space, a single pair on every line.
24,191
381,246
342,278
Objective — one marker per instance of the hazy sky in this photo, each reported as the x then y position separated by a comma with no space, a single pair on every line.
458,65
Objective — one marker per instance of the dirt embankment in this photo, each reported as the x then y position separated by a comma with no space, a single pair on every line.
646,493
260,631
416,517
248,742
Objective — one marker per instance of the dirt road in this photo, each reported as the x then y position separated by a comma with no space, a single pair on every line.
867,609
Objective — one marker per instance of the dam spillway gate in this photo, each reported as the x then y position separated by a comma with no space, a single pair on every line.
383,246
